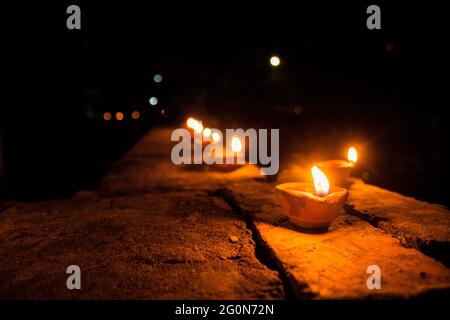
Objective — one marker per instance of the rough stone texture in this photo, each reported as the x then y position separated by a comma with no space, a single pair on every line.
416,223
150,246
153,231
159,231
333,265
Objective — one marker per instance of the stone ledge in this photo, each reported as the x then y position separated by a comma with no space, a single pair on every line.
180,241
416,223
333,265
173,245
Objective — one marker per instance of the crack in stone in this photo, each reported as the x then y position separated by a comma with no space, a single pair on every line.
438,250
263,252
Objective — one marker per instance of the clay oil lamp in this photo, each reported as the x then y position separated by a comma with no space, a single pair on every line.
197,127
231,158
338,171
311,206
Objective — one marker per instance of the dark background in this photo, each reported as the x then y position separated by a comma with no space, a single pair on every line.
385,91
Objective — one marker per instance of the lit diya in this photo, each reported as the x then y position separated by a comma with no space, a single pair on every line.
309,206
228,159
196,126
338,171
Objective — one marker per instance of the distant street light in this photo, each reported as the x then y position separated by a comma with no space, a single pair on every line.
275,61
157,78
107,116
136,115
153,101
119,116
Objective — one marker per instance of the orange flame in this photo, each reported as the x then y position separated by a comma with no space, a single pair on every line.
352,154
215,136
321,183
236,145
194,124
207,132
191,122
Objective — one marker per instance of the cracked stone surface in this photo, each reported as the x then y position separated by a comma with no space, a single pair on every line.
416,223
333,265
150,232
155,246
154,230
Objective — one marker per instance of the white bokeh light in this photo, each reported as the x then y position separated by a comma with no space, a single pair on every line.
153,101
275,61
157,78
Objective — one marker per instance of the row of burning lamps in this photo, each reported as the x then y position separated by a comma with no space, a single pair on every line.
208,133
340,170
309,206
